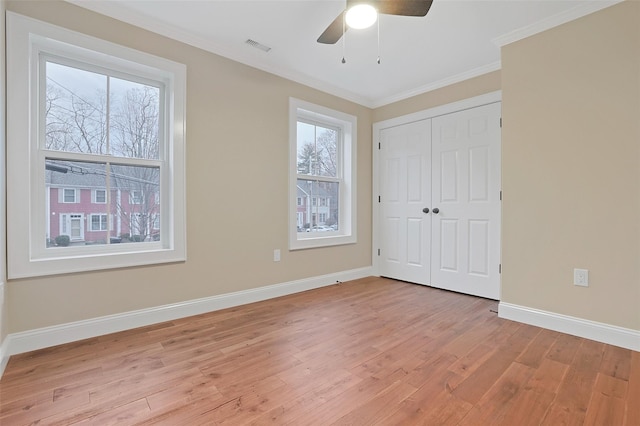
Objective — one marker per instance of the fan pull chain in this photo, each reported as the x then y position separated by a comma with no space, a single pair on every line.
378,40
344,36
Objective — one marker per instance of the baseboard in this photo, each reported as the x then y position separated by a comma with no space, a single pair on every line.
600,332
26,341
4,357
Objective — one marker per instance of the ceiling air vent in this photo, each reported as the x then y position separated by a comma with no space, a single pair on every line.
257,45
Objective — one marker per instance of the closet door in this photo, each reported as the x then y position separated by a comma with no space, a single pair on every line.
465,254
405,190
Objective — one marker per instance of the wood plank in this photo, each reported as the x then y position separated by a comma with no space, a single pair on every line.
574,394
536,351
494,404
367,413
616,362
632,407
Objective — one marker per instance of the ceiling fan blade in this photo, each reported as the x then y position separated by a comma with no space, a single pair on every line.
334,31
403,7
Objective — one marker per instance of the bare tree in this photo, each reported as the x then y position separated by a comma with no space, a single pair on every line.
73,123
135,124
319,157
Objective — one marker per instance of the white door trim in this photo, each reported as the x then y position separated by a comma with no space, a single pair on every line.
476,101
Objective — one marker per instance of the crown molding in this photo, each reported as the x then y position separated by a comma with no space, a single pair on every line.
495,66
554,21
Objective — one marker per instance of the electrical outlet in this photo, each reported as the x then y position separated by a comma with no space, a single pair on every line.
581,277
276,255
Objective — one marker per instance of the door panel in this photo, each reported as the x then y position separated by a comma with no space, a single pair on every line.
449,179
479,247
448,252
467,193
405,189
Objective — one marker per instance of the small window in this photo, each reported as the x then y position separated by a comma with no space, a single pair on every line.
136,197
100,196
322,176
69,195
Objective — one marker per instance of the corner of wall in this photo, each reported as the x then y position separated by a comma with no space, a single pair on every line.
3,270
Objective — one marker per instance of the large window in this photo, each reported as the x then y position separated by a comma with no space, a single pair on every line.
104,125
322,176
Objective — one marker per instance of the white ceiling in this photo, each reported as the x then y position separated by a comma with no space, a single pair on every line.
458,39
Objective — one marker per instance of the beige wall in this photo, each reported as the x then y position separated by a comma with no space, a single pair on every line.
571,168
237,206
571,178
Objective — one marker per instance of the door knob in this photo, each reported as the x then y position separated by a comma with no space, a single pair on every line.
436,210
425,210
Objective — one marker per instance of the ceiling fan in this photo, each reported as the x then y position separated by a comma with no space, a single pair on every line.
336,29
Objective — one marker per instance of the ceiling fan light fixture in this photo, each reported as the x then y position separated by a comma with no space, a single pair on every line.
361,16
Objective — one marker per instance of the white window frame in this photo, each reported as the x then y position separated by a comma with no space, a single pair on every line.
27,41
133,200
109,218
347,124
64,196
95,196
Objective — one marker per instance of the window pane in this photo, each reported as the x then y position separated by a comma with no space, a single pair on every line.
137,208
133,203
101,196
69,220
75,110
134,123
69,195
317,150
95,223
76,114
316,217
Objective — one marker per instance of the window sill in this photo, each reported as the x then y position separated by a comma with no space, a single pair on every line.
324,241
94,261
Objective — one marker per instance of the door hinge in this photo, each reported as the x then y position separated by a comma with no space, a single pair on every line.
378,252
500,268
379,145
500,122
500,195
379,199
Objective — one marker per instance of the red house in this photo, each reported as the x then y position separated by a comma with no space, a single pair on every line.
80,206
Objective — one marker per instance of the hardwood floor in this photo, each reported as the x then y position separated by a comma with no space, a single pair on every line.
367,352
